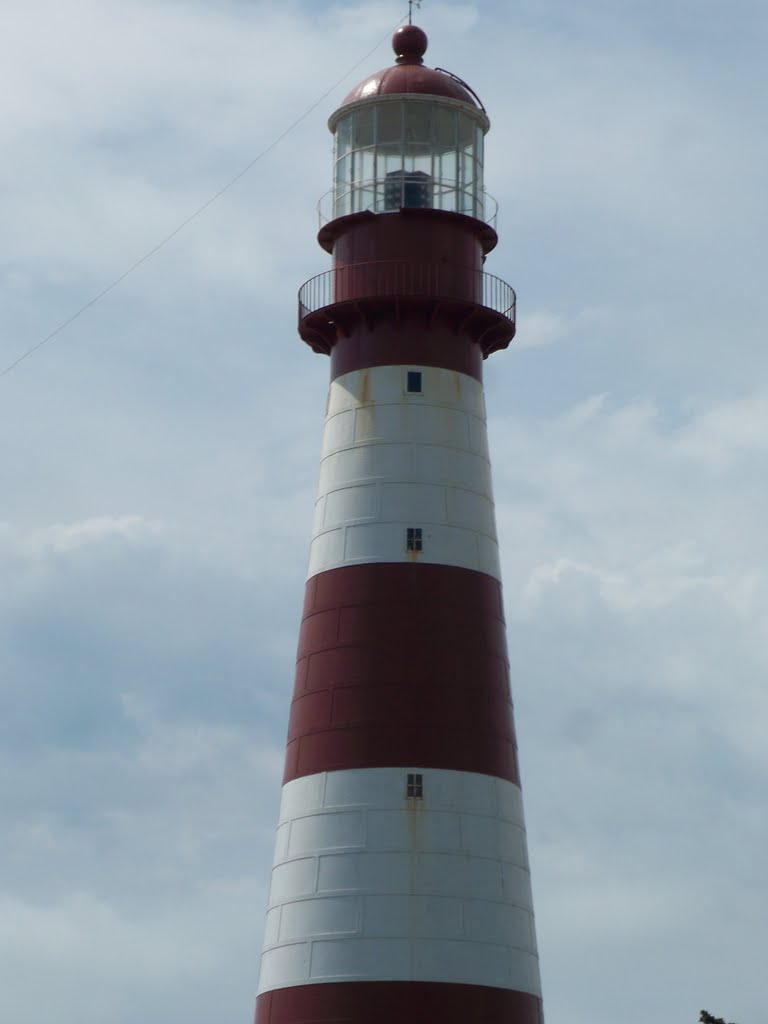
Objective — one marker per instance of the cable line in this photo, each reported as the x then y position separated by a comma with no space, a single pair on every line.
193,216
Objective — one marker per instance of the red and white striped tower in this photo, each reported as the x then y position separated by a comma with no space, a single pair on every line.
400,889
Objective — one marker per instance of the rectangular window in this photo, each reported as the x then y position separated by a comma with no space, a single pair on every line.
449,167
390,123
363,128
414,786
413,538
413,382
344,170
466,130
364,165
445,128
344,136
418,122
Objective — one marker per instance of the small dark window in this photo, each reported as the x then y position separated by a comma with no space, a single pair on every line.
414,786
413,538
413,385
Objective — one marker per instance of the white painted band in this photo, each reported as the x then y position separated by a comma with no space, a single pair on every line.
369,885
393,460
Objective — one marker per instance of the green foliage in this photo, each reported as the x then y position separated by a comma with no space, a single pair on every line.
707,1018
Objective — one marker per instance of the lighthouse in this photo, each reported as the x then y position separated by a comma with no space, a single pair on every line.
400,888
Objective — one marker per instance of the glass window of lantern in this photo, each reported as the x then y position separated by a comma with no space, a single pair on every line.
444,129
389,158
344,136
469,189
390,124
364,197
418,123
364,165
418,160
344,170
467,169
466,131
447,174
363,128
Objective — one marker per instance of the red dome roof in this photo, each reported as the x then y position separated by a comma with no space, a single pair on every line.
409,74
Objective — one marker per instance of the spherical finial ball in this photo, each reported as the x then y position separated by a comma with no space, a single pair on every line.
410,44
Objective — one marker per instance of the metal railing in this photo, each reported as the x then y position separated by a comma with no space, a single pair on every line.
374,195
405,279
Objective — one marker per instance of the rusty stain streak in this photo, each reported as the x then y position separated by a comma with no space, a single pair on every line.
416,842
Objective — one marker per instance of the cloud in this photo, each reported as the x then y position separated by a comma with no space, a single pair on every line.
637,605
131,839
61,538
734,430
160,456
540,328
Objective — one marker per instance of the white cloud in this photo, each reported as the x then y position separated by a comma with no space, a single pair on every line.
540,328
60,538
637,602
736,429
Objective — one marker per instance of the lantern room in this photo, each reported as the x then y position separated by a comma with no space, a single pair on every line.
409,137
396,152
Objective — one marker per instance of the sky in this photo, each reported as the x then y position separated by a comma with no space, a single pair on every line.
159,458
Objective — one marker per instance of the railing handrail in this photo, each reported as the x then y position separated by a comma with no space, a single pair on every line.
408,279
327,203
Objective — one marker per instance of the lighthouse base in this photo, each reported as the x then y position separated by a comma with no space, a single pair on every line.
397,1002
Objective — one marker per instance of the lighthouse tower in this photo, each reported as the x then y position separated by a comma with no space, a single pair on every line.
400,889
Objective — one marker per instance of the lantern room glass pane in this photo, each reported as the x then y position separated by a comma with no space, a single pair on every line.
448,171
418,123
343,202
444,128
364,199
390,158
344,170
364,165
418,162
363,131
466,130
467,168
390,123
344,136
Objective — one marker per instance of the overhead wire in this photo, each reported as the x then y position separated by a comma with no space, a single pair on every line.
200,210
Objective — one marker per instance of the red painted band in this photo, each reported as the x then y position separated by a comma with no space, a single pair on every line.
417,233
402,664
407,288
413,342
397,1002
